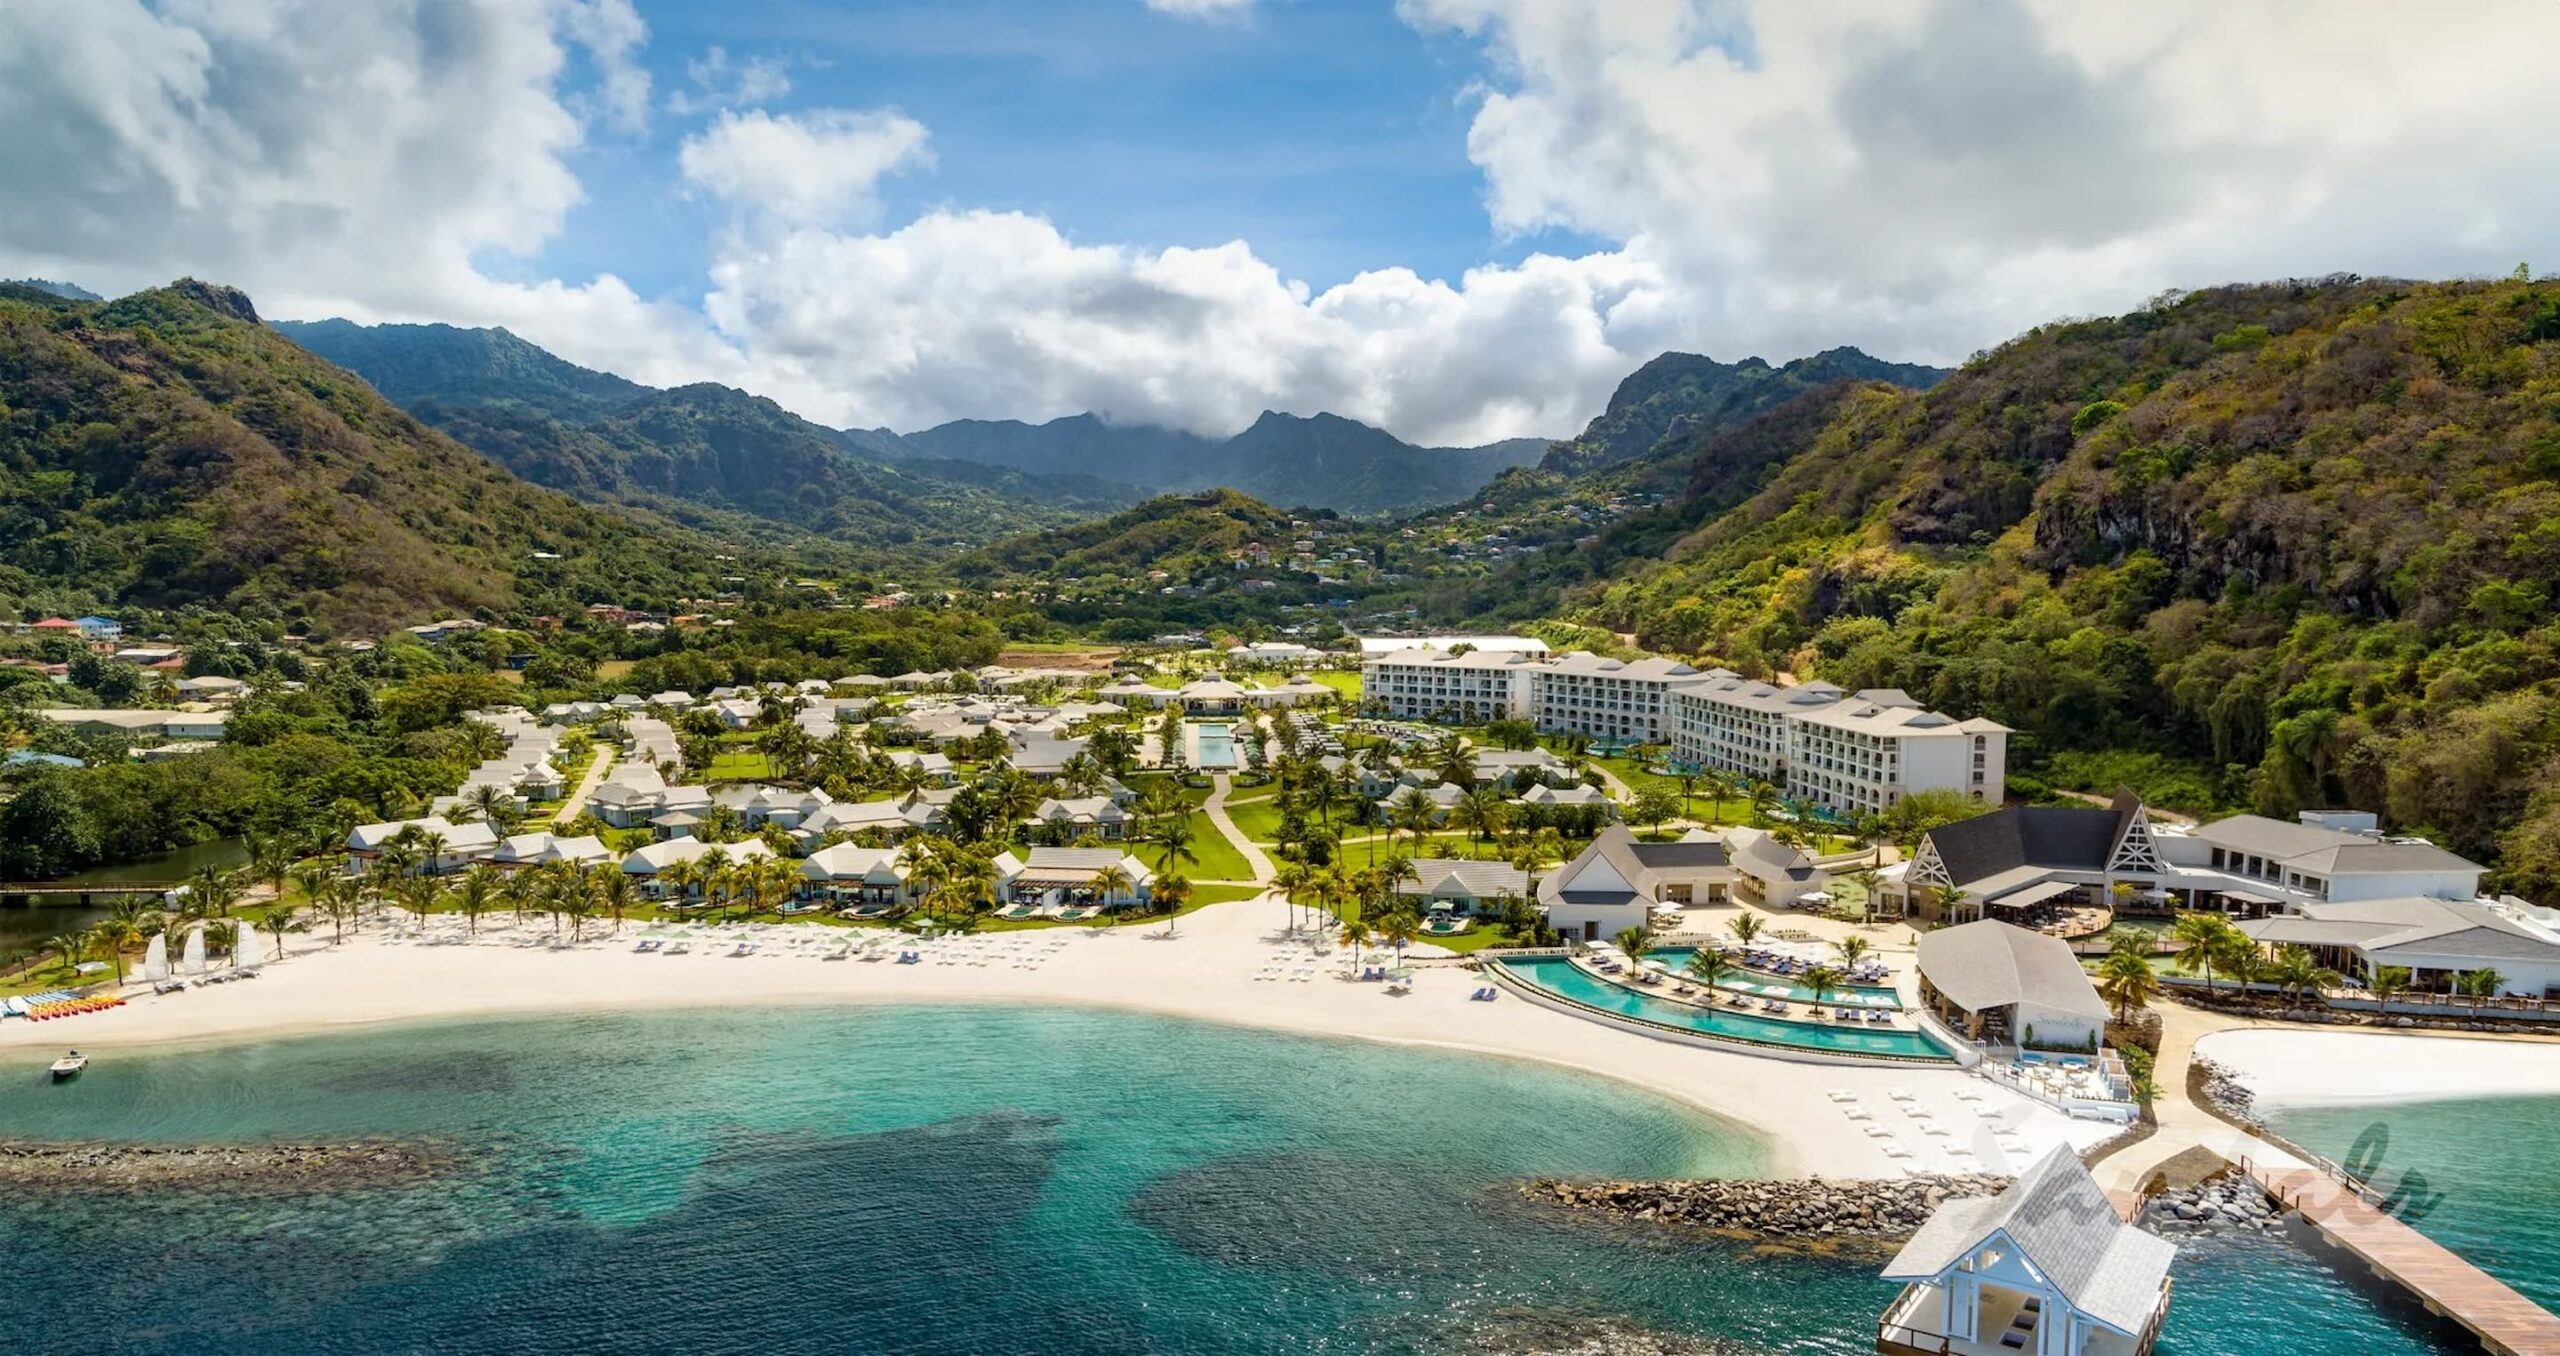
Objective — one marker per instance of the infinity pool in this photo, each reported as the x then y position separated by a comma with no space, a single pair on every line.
1557,975
1778,986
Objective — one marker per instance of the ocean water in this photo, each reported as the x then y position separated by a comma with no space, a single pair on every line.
2475,1174
943,1179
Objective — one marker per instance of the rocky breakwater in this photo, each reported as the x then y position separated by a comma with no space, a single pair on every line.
2225,1202
1809,1208
265,1167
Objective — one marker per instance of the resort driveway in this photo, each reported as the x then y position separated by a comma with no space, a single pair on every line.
1216,808
576,804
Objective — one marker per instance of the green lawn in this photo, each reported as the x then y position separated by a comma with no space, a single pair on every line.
1348,684
1260,820
737,765
1219,859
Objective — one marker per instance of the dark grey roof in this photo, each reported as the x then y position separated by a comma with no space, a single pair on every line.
1681,856
2056,1214
2054,837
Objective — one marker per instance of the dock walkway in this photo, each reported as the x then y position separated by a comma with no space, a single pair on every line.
2504,1321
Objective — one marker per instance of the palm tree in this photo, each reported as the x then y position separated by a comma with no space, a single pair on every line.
1412,813
1355,934
612,887
2203,942
1852,950
1172,835
1709,966
2481,983
1399,927
477,892
1745,928
2297,971
2126,979
270,858
1295,880
1822,979
1481,812
112,935
492,803
2387,982
1172,892
214,890
70,946
1633,941
1111,880
1947,898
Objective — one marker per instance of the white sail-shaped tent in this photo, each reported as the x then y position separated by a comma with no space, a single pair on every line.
245,954
155,959
192,965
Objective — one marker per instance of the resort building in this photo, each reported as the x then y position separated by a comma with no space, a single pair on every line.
1100,816
2022,858
646,864
2327,855
2436,940
1558,797
1773,875
1849,753
891,819
2046,1267
1071,876
458,845
2001,985
1447,885
1432,684
543,849
853,877
1618,882
1615,700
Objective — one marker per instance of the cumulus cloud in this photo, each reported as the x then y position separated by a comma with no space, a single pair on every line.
1927,179
970,313
811,168
613,34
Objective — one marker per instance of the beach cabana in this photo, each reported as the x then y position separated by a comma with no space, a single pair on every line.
2046,1267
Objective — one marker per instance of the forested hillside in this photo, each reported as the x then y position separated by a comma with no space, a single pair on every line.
166,448
2286,545
1183,535
709,455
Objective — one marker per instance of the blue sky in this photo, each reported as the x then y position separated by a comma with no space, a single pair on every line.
1459,220
1328,133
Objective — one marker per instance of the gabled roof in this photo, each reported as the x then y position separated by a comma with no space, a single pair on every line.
2420,927
2050,837
1444,876
1586,879
2058,1218
1989,964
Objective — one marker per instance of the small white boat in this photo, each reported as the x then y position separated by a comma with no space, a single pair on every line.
69,1066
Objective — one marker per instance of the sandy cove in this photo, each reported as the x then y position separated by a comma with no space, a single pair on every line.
1213,970
2313,1067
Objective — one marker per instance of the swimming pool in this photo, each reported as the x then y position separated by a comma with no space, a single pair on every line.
1557,976
1778,986
1216,745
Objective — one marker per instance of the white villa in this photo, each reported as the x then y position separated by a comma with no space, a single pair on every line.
1618,882
464,843
857,877
645,863
2436,940
542,849
2046,1267
1465,887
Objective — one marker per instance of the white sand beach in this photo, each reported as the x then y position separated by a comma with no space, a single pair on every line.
1231,963
2343,1068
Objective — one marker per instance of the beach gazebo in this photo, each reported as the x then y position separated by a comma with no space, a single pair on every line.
2047,1267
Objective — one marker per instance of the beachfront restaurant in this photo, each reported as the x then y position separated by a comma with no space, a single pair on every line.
1068,876
2046,1267
2001,985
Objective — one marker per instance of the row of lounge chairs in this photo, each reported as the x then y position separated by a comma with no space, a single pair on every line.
1483,995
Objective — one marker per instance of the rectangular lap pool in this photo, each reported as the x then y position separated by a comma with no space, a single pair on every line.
1214,745
1557,975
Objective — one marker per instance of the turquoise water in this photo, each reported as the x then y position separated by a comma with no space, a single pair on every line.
1558,975
1677,957
936,1180
1217,745
2474,1174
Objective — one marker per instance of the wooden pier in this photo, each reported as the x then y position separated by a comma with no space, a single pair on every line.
2504,1321
20,894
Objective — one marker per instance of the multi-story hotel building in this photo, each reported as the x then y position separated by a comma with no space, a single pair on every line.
1854,753
1620,699
1430,684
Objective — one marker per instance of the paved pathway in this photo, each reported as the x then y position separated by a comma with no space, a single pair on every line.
1216,808
2183,1125
572,807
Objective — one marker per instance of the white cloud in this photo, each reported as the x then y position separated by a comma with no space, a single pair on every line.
808,168
721,81
1918,179
1928,179
1203,9
980,313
